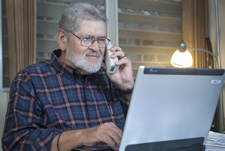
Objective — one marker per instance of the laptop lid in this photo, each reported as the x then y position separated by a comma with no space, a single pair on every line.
171,104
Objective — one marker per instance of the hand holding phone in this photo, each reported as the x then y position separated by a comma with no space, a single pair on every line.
110,63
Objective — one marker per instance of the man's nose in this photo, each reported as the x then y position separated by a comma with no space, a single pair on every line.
94,45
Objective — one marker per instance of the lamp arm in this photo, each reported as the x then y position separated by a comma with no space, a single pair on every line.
207,51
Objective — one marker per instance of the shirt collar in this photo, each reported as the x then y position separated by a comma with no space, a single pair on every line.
60,67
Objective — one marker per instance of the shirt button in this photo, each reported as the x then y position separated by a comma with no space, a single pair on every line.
90,108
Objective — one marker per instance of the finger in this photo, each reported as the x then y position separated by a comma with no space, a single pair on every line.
119,54
115,49
116,129
110,127
108,140
116,138
123,61
112,134
123,56
115,133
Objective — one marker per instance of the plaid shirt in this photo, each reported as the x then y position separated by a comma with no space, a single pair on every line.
49,97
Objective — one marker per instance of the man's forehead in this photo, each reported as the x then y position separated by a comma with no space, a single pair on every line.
91,27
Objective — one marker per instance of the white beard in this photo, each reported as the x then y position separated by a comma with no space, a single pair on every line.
81,62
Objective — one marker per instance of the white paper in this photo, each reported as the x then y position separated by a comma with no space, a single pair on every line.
215,142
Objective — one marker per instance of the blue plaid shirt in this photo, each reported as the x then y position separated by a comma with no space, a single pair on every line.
49,97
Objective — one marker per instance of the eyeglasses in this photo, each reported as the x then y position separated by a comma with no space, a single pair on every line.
87,41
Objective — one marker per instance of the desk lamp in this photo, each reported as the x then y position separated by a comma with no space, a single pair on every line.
183,58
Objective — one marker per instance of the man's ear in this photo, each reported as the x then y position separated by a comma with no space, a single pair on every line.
61,39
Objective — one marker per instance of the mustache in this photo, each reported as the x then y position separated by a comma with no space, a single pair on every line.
89,52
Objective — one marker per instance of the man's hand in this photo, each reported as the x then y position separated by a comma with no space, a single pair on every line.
107,133
124,76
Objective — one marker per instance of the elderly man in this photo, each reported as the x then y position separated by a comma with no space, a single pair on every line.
70,101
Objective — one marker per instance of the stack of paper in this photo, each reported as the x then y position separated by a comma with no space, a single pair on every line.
215,142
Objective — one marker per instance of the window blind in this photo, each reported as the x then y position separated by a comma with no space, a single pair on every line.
149,30
48,16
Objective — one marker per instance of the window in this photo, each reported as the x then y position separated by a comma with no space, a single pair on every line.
48,16
149,30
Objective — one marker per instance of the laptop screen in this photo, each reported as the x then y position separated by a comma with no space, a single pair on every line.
171,104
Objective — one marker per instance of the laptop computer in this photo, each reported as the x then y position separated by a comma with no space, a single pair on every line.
171,109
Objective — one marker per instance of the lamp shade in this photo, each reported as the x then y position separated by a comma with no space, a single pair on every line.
181,59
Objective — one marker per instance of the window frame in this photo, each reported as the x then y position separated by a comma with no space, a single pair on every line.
1,51
113,22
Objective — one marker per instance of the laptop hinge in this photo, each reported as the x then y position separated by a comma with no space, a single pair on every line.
192,144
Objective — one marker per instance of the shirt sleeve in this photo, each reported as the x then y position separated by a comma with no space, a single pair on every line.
24,129
118,95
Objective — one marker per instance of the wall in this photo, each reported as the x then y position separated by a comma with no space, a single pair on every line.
213,34
3,106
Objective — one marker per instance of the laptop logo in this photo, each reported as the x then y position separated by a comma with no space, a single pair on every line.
153,70
214,81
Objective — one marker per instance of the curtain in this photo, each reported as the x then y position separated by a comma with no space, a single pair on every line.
195,34
195,29
21,20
